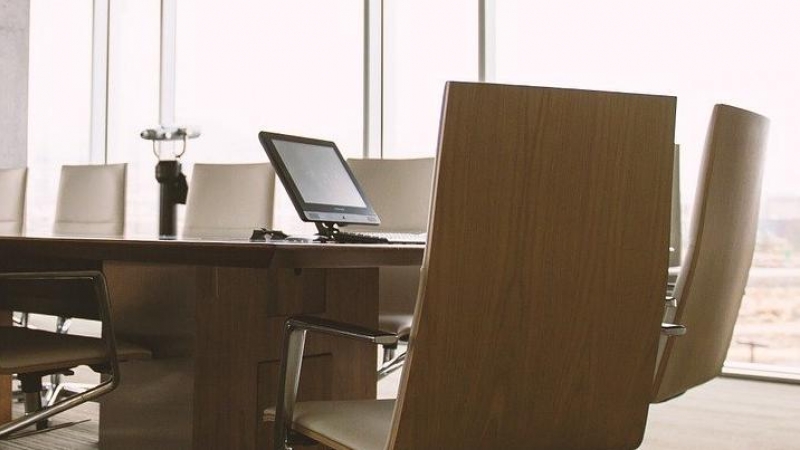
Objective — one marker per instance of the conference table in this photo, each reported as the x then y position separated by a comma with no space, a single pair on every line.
212,312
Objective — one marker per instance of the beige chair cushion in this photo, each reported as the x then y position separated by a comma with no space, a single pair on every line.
358,424
23,350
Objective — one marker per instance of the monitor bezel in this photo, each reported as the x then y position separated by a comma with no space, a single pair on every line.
350,215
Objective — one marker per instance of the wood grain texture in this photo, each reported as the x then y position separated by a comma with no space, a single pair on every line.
55,297
722,239
216,329
217,334
547,246
724,414
5,381
201,252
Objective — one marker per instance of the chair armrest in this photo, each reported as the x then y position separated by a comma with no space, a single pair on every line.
342,329
671,329
294,337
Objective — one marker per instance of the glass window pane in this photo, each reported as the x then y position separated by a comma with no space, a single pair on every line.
288,67
740,53
426,43
59,100
133,85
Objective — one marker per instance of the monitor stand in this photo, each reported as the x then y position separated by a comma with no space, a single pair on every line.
326,231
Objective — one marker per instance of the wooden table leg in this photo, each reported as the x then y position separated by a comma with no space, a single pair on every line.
5,381
216,334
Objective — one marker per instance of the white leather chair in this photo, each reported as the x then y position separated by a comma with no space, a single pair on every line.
722,239
229,200
91,201
675,212
12,200
400,192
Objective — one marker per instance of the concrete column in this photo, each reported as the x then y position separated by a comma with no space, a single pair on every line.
14,28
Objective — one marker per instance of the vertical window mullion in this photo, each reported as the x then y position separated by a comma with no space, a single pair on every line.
486,40
166,104
98,140
373,79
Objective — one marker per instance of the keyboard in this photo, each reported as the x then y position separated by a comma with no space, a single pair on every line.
364,237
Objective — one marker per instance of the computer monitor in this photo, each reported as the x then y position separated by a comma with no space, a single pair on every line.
318,180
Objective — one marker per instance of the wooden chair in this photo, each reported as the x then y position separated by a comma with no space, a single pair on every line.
714,272
229,200
32,354
539,203
91,201
400,192
12,200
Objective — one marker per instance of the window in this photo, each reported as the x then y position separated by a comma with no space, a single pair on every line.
706,52
289,67
298,68
59,100
426,43
133,90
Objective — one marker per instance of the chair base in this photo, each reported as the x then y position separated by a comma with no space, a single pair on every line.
391,366
60,426
36,414
391,360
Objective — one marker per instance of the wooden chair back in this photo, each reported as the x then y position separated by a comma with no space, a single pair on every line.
548,246
722,236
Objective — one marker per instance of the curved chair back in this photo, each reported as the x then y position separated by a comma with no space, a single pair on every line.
229,200
722,237
544,200
12,200
400,192
91,201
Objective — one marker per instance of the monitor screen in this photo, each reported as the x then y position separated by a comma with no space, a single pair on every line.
318,180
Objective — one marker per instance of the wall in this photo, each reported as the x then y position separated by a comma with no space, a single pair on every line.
14,24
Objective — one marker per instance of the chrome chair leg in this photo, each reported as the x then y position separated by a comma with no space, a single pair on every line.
57,386
392,366
389,353
391,360
21,319
32,390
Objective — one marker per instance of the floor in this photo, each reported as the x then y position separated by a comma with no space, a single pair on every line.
724,414
728,414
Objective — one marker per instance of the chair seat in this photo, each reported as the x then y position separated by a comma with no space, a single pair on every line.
344,425
23,350
399,324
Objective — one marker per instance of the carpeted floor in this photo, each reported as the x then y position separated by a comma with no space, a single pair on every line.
725,414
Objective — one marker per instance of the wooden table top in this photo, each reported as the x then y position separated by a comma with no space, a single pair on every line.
240,253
